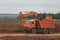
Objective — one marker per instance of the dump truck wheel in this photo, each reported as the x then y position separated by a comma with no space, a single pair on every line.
50,31
26,30
34,31
45,31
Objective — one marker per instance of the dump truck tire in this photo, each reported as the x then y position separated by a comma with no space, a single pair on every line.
48,31
34,31
26,30
45,31
51,31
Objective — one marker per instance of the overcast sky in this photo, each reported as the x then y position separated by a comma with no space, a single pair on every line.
14,6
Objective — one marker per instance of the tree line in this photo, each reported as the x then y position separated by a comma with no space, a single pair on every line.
55,16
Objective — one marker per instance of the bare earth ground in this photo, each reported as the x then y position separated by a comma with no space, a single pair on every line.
9,27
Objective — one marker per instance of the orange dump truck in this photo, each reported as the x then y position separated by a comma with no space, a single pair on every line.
36,23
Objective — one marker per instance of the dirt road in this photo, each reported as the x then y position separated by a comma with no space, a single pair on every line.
30,36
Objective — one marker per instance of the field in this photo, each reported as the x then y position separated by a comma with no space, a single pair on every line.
9,27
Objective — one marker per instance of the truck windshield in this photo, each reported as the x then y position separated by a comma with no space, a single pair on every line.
28,22
29,17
